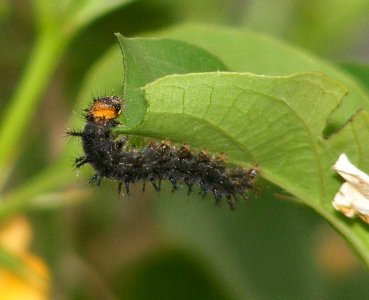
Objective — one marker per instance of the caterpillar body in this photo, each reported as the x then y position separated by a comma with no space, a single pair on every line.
113,159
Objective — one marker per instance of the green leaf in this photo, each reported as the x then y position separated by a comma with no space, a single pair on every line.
244,51
148,59
274,122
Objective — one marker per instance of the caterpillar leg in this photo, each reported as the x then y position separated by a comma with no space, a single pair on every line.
157,188
120,188
203,190
74,133
217,196
189,189
174,184
126,183
80,161
230,203
189,184
96,178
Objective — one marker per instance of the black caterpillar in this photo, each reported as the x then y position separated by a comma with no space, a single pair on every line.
111,158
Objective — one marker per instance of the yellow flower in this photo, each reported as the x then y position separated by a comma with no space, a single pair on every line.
15,236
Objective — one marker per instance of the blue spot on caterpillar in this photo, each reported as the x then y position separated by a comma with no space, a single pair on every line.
113,159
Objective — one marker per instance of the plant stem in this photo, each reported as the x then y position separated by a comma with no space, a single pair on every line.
45,56
21,198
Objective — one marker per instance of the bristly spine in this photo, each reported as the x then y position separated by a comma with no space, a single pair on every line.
112,158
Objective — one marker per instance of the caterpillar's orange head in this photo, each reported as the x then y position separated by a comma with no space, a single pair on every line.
105,109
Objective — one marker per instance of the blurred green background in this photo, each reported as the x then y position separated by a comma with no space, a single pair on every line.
171,246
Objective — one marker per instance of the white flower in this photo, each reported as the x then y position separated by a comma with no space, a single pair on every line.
353,197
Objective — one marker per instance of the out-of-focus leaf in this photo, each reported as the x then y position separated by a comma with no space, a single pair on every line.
105,77
88,11
169,274
327,25
312,24
58,22
244,51
70,16
360,71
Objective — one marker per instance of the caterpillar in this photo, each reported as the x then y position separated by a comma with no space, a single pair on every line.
112,158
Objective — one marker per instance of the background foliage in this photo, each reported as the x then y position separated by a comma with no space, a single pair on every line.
96,246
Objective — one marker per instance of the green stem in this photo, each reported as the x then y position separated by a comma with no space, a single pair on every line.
21,199
44,58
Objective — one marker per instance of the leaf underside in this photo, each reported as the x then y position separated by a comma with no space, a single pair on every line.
273,122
